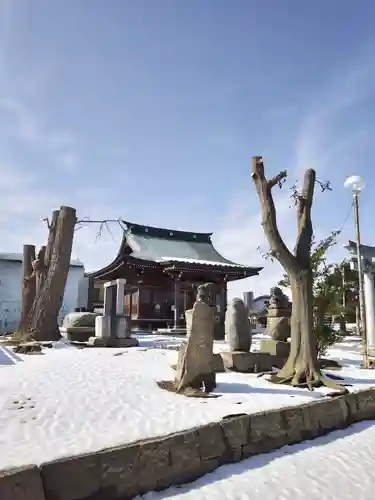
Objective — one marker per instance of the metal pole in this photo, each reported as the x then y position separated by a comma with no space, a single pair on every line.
343,286
362,306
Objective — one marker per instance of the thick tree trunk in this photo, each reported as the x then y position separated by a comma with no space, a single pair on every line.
302,366
42,324
28,286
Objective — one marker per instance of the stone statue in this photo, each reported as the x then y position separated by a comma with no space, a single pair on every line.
195,366
278,317
237,326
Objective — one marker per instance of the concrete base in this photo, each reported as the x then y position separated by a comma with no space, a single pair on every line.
275,348
247,362
113,342
170,331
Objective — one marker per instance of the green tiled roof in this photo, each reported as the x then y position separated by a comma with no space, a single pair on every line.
173,248
164,245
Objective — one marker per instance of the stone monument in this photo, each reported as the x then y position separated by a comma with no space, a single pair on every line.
237,326
278,317
278,327
195,366
113,329
79,326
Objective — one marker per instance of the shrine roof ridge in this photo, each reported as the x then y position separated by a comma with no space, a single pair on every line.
168,234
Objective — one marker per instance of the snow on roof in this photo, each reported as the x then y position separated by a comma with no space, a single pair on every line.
18,257
199,261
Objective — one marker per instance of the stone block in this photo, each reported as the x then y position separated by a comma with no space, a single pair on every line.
154,465
21,484
103,326
267,433
236,432
119,468
351,400
113,342
294,424
72,478
121,326
247,362
211,442
325,416
366,404
185,457
275,348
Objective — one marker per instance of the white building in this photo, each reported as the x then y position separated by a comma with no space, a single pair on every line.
11,288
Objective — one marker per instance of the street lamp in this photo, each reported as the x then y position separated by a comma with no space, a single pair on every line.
356,184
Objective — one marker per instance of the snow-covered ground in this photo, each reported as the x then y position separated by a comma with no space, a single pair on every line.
340,465
72,401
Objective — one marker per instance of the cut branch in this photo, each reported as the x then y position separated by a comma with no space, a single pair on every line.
278,179
268,213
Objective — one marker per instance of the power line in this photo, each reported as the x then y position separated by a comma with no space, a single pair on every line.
347,217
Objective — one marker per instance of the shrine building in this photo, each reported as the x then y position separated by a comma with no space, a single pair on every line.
162,268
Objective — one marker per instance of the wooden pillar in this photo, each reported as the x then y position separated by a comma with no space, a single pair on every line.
130,303
176,290
224,298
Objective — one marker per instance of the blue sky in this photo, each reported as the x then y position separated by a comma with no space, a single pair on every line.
151,110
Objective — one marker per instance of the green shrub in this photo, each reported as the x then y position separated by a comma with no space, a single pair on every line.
325,338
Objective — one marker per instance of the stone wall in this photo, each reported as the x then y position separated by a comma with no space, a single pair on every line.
155,464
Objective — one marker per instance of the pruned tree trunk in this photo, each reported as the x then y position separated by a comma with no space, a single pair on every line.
39,269
42,319
302,366
28,286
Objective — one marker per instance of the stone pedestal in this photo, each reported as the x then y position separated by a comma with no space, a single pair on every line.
275,348
113,329
278,326
113,342
247,362
278,350
121,327
103,326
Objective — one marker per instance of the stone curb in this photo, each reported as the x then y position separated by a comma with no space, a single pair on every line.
155,464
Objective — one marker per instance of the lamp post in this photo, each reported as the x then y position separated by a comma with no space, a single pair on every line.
356,184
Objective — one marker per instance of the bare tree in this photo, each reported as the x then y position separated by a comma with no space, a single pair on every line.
302,367
50,271
28,286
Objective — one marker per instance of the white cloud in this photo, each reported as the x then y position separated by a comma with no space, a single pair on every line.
24,124
318,144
